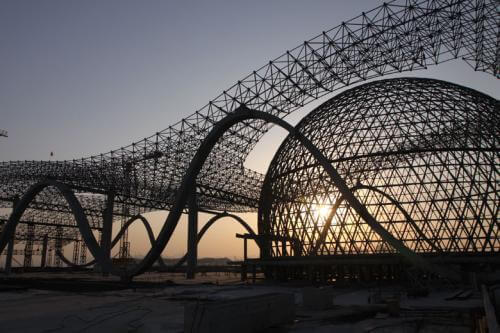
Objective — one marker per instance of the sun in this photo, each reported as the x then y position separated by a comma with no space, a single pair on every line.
320,213
323,211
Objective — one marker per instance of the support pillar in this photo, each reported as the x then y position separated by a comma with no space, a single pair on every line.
44,251
245,249
76,252
124,249
10,253
192,236
28,248
10,245
58,245
50,258
83,253
107,229
297,248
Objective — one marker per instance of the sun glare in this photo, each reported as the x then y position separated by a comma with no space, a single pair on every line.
320,213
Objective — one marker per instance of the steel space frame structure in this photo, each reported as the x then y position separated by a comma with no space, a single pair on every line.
150,174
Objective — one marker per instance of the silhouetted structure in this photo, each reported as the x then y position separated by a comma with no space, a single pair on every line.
420,155
63,199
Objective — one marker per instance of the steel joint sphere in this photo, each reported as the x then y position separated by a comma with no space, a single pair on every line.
428,145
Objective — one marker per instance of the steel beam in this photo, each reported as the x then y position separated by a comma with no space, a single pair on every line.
46,224
115,241
58,245
11,241
79,215
192,246
336,205
28,248
107,230
44,251
8,258
188,184
210,222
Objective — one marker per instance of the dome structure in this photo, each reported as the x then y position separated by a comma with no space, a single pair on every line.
421,155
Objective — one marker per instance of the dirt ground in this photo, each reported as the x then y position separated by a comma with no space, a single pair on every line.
87,302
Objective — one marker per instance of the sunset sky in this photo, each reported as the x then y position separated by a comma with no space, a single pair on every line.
79,78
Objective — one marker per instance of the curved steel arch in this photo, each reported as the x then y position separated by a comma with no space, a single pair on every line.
188,183
149,230
394,37
72,264
420,140
242,114
207,226
75,207
355,188
115,241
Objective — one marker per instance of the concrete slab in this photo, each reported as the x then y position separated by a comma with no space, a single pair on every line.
317,298
161,308
243,315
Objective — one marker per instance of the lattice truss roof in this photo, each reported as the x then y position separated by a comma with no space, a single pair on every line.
410,149
392,38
